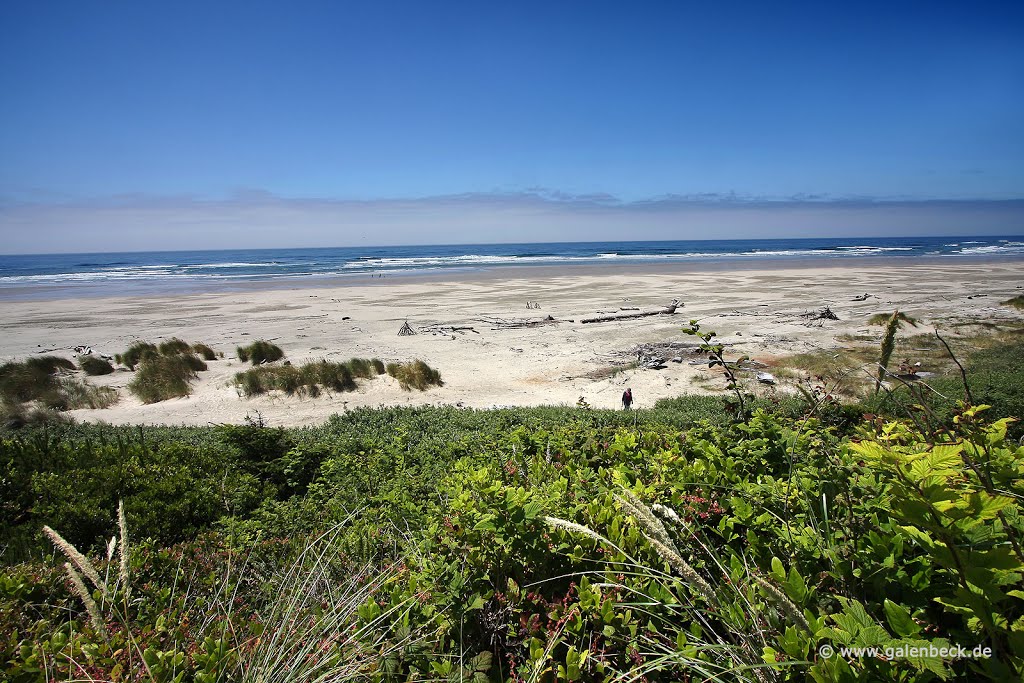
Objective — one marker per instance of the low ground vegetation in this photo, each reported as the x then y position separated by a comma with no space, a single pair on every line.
533,544
540,544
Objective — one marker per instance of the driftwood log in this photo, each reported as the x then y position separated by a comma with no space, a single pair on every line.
668,310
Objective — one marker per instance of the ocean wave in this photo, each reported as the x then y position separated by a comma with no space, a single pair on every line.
1006,248
263,264
59,278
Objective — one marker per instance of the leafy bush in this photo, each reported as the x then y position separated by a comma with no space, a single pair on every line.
94,365
414,375
160,378
260,352
535,544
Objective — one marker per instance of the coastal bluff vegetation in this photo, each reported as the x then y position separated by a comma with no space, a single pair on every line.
704,538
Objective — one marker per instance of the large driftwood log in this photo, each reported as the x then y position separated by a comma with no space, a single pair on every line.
668,310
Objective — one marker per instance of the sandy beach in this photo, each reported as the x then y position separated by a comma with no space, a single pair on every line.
495,360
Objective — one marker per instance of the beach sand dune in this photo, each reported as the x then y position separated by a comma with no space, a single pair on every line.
759,313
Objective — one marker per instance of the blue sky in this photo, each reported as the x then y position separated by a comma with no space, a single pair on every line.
181,108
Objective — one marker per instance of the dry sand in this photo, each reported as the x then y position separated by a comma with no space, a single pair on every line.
759,312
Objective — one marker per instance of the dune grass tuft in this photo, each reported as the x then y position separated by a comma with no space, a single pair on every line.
260,352
204,351
15,415
882,319
34,379
40,380
163,377
77,394
365,369
309,379
135,353
1016,302
173,346
93,365
414,375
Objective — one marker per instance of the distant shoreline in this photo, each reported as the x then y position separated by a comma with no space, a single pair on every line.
143,288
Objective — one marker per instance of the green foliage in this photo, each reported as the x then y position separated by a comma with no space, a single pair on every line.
996,377
716,358
530,544
160,378
94,365
259,352
414,375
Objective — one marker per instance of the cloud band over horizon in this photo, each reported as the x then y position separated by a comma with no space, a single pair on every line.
257,219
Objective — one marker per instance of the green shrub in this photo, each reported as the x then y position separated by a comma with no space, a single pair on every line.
93,365
135,353
260,352
378,366
414,375
204,352
173,346
164,377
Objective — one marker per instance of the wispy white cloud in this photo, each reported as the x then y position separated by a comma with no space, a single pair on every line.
256,218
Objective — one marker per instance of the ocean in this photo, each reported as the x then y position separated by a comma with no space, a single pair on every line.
110,274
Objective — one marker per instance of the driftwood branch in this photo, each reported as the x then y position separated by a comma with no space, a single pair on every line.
503,324
668,310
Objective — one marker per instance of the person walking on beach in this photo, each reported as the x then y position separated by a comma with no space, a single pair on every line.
627,398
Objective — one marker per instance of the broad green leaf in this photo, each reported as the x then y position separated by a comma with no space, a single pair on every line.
900,620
